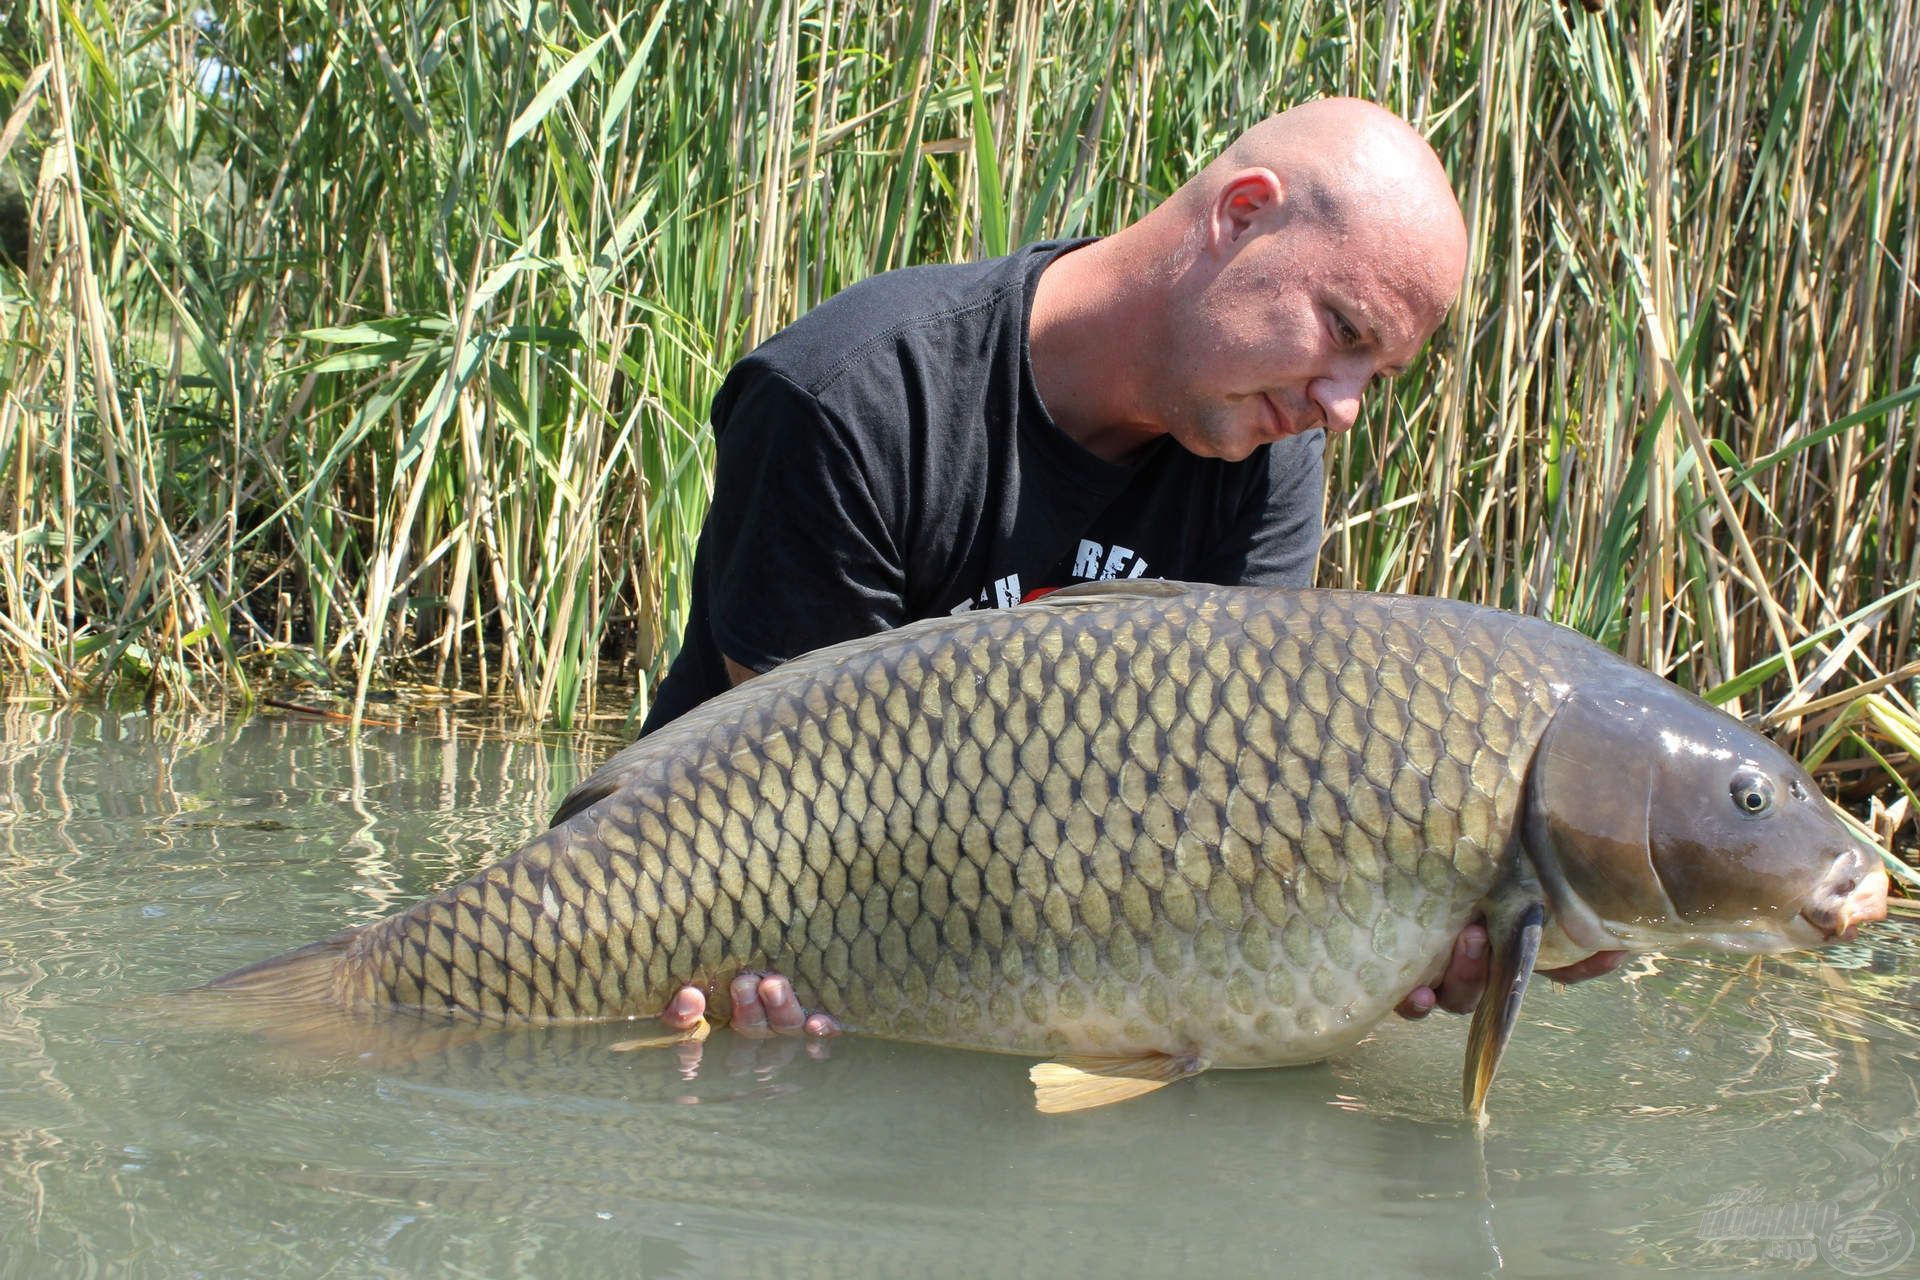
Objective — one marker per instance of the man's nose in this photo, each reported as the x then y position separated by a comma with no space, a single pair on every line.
1339,401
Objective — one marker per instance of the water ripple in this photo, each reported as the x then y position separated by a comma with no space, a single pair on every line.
1643,1120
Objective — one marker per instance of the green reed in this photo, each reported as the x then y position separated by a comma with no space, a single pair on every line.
372,338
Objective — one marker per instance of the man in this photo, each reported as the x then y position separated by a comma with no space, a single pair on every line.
1153,403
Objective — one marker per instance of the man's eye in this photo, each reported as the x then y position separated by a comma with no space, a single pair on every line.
1347,334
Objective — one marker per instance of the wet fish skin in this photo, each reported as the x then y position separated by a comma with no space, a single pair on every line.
1231,824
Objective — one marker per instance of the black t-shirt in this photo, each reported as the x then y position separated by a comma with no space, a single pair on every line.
887,457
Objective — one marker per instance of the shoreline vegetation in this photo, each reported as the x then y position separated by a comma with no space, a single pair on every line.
342,346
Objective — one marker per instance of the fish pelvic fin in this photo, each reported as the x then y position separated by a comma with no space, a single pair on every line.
1082,1083
1515,921
695,1034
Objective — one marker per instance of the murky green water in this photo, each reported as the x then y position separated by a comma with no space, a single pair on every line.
1695,1117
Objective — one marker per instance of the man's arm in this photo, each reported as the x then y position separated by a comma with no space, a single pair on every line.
797,552
799,547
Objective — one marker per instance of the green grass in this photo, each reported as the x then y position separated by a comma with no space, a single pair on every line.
387,344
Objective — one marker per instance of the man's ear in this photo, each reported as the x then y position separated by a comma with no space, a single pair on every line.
1245,205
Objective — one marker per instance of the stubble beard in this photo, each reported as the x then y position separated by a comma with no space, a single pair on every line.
1219,429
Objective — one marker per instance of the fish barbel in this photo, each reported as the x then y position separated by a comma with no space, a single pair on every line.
1153,827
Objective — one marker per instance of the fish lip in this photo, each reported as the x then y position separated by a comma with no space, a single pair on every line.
1843,930
1864,901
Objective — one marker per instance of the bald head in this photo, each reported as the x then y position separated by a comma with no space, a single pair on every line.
1351,148
1343,164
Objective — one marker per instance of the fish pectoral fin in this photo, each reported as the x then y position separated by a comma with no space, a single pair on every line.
694,1034
1514,927
1080,1083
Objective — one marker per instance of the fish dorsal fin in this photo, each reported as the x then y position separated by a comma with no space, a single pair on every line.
1516,917
1119,591
1083,1082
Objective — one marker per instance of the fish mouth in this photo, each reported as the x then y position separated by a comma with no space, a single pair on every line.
1853,894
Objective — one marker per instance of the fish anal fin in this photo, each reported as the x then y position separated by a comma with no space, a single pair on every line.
694,1034
1080,1083
1514,927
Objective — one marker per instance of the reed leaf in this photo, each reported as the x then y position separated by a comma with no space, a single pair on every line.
387,333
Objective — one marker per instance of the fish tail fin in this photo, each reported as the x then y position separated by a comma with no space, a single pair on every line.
312,1002
295,1000
308,977
298,1000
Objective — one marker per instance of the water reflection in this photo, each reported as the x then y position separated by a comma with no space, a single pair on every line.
1695,1115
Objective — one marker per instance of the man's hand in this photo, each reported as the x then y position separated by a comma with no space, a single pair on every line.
764,1010
1460,987
763,1005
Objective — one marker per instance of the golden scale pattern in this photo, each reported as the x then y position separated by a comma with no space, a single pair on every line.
1090,826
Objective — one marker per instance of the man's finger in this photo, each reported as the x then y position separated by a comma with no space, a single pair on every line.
1592,967
687,1007
749,1013
784,1013
1466,975
1418,1004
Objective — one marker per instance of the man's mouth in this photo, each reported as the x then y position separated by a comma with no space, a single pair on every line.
1279,424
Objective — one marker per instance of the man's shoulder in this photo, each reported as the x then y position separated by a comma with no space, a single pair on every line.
941,314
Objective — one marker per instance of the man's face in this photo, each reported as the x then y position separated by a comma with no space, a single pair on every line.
1284,327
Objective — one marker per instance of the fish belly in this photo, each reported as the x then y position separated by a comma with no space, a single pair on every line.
1295,1006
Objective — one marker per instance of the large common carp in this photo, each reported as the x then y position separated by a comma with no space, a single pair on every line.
1155,827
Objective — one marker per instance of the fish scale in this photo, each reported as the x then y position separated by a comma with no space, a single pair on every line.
1238,823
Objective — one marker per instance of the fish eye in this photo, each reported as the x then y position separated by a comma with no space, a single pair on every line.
1752,792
